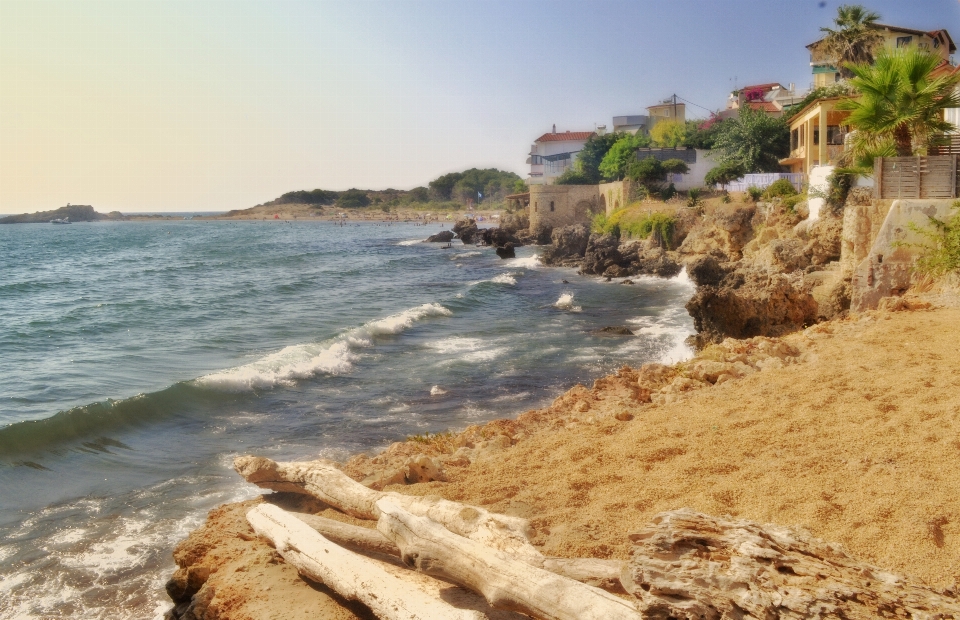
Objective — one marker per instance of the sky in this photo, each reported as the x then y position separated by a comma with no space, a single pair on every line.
199,105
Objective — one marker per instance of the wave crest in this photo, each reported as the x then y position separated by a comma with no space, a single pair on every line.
565,302
302,361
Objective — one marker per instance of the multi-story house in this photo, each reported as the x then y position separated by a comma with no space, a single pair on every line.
938,41
770,98
553,153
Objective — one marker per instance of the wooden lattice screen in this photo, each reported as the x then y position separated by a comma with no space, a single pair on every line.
915,177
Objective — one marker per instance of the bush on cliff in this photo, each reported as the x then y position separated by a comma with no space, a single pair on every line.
780,188
941,252
626,222
727,172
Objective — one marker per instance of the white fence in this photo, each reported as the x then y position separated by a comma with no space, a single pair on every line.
765,180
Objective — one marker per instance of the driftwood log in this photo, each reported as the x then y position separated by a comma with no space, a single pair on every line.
505,582
330,485
595,572
687,565
352,576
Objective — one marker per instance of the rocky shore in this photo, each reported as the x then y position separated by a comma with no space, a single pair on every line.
845,429
831,425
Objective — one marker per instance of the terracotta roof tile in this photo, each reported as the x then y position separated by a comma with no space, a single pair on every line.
766,106
566,135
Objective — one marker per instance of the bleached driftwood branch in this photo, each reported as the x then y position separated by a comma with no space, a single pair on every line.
595,572
691,565
504,581
330,485
350,575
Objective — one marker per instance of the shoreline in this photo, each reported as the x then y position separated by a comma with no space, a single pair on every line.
743,428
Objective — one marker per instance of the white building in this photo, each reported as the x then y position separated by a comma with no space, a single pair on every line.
553,153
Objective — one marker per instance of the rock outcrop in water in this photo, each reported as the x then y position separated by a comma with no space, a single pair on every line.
466,231
443,236
76,213
567,246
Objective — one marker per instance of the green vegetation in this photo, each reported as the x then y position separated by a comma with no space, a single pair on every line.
780,188
353,199
941,253
465,186
854,39
520,187
901,105
586,168
755,193
634,223
695,199
312,197
725,173
670,134
615,163
754,140
790,202
651,173
840,89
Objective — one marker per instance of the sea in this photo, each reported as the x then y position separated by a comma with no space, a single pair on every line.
137,359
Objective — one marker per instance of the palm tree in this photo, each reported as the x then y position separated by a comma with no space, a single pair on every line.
853,40
900,100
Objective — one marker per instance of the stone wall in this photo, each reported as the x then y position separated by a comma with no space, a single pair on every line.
561,205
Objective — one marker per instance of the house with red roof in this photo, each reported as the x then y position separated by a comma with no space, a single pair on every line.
771,98
553,153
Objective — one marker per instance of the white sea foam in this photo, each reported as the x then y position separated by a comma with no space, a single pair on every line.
437,391
528,262
669,329
411,242
456,344
504,278
302,361
565,302
465,255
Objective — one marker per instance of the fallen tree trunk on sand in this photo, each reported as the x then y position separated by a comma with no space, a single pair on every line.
330,485
505,582
690,565
600,573
350,575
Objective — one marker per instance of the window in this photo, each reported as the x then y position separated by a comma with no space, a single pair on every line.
904,41
551,205
936,43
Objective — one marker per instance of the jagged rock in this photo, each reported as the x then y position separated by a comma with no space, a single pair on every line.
515,222
568,245
706,271
466,231
687,565
656,262
497,237
783,255
751,302
823,241
654,376
542,234
422,468
441,237
602,253
506,251
724,232
613,331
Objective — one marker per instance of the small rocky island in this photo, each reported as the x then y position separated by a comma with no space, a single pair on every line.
75,213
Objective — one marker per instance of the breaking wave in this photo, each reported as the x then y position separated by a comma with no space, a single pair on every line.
302,361
565,302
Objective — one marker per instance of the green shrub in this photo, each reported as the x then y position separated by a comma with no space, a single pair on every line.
725,199
660,222
675,166
838,187
791,202
941,253
668,192
755,193
573,176
695,199
780,188
647,172
726,172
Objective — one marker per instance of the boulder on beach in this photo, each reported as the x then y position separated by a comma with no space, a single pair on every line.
444,236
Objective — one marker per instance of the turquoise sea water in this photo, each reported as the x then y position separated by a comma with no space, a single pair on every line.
138,358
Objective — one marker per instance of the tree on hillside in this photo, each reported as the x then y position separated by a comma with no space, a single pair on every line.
853,40
702,134
442,186
614,164
754,140
353,199
901,102
419,194
312,197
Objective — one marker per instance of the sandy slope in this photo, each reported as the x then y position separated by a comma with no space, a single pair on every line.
859,443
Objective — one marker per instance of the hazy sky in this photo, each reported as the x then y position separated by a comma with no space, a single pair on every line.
196,105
